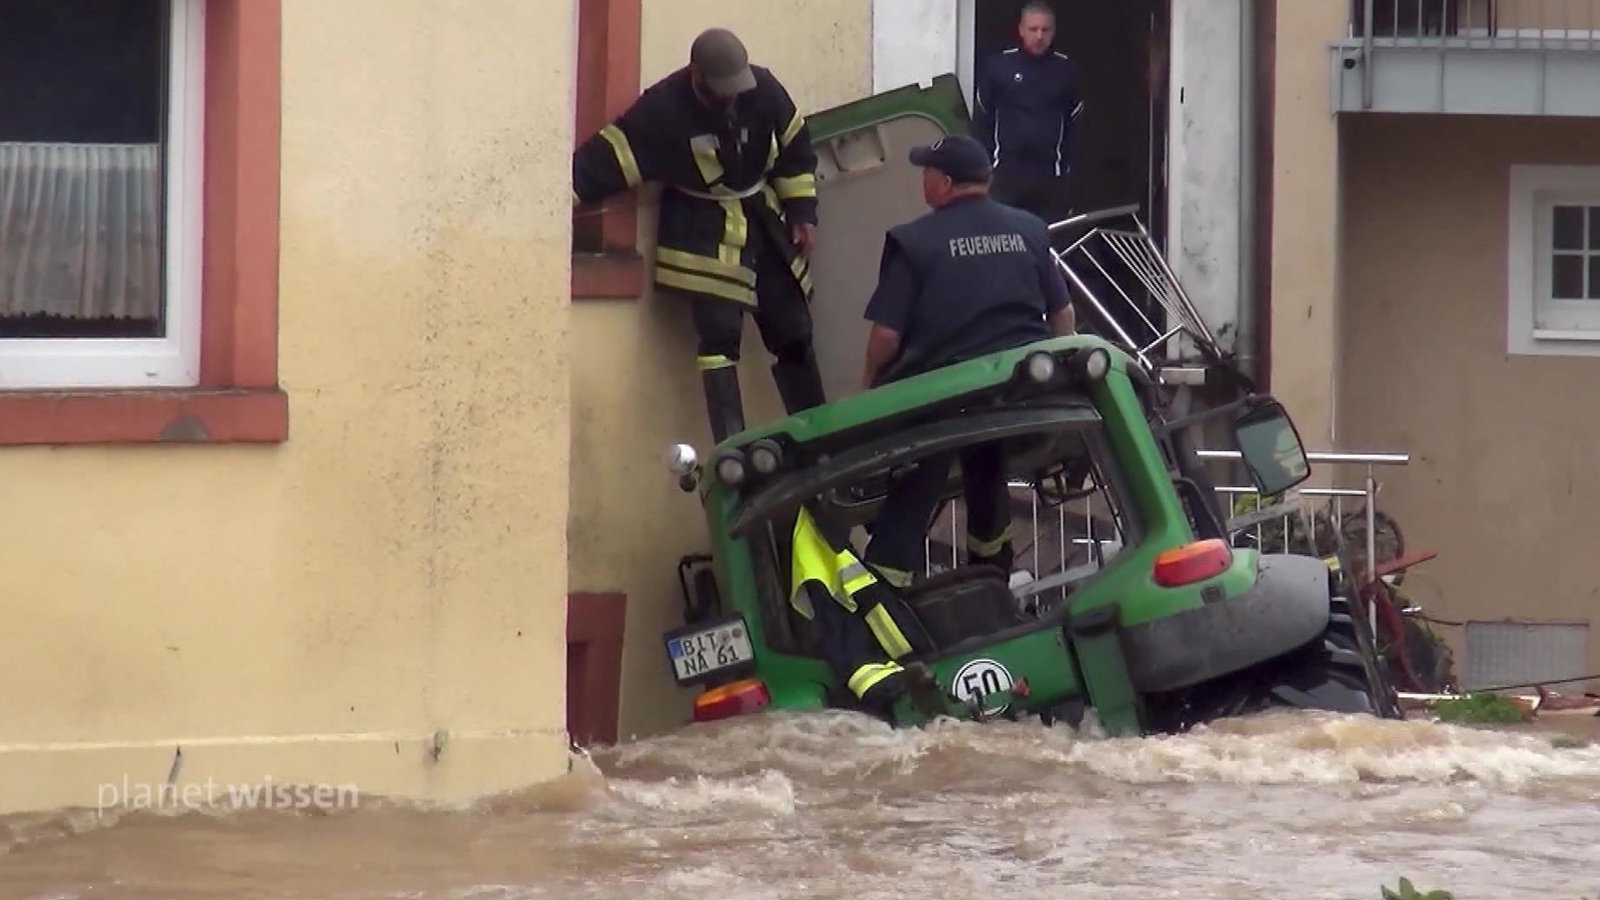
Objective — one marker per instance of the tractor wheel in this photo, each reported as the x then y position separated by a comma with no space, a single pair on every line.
1339,671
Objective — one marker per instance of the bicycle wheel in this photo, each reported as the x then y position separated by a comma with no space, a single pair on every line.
1388,540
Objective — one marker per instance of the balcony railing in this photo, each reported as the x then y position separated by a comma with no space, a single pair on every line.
1478,24
1479,57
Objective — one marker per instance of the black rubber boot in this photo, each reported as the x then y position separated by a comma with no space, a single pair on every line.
1003,559
724,405
799,382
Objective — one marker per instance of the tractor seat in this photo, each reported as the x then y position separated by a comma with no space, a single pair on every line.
966,602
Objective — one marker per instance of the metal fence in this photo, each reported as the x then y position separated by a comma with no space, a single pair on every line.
1477,24
1059,545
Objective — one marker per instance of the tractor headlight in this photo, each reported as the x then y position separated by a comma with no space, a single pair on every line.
1092,365
1040,366
766,457
732,468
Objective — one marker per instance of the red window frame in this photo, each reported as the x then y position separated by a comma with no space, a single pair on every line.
608,80
238,398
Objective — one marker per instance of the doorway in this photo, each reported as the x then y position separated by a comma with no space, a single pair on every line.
1121,51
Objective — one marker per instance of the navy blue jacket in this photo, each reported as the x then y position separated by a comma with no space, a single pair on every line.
971,278
1026,107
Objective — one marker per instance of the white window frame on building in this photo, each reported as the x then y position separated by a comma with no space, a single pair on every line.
172,360
1537,322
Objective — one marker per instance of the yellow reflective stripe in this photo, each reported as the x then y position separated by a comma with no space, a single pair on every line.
796,186
990,547
713,362
802,272
898,577
704,147
705,265
856,578
624,152
730,256
735,227
771,196
864,678
890,637
702,284
793,129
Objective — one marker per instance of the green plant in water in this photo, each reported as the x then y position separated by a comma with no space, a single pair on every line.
1568,742
1408,891
1485,708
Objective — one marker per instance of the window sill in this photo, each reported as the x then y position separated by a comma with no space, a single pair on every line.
1587,335
193,416
616,275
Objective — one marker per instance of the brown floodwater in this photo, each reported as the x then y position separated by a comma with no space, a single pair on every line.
831,805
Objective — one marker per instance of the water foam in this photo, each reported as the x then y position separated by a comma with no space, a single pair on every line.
818,749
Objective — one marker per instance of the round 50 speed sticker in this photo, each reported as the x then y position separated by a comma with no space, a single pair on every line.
979,678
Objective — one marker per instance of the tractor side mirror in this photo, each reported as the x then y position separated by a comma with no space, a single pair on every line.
1271,448
683,462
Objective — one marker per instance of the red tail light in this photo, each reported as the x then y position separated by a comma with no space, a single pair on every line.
1193,562
734,699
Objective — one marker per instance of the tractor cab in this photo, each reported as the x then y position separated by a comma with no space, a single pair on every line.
1079,456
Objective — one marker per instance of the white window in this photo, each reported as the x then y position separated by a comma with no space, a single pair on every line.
1553,301
100,179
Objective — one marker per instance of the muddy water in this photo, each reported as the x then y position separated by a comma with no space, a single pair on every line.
833,806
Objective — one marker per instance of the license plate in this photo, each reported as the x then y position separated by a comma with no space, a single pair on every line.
706,650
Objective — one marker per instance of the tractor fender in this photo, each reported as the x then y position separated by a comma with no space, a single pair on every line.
1288,606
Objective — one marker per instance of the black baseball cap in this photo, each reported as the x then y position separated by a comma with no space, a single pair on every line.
723,62
959,156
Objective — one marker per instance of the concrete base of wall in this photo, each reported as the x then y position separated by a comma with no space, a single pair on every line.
314,772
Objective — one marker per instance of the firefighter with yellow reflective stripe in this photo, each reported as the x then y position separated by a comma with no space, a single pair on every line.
864,628
737,218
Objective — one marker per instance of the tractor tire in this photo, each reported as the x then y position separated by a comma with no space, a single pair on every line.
1338,671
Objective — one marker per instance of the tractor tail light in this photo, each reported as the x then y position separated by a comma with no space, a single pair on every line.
736,699
1193,562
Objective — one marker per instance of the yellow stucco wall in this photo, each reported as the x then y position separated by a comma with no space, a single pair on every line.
1502,480
635,386
317,610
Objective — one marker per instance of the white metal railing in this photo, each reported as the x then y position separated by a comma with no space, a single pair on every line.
1477,24
1044,551
1368,460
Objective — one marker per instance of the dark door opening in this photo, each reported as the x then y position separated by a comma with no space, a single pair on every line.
1121,51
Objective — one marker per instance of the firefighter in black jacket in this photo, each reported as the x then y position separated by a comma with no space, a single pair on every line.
738,214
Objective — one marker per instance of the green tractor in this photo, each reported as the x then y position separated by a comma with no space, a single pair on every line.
1147,609
1174,626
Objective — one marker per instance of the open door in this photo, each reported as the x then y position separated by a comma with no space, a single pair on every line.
865,186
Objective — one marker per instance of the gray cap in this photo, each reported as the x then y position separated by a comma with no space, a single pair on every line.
723,62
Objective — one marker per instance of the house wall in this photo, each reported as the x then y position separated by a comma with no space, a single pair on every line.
321,610
1503,480
1303,331
635,386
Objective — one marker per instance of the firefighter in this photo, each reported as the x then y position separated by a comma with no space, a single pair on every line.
738,213
969,278
864,627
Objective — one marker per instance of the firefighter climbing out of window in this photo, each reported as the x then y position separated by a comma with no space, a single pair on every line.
738,213
864,627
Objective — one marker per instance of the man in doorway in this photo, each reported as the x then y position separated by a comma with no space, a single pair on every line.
737,219
970,278
1027,106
